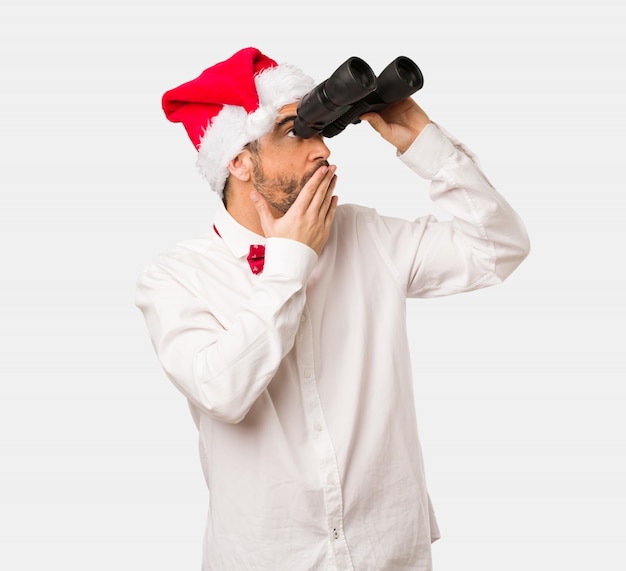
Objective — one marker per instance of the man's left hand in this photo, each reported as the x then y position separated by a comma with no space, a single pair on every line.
400,123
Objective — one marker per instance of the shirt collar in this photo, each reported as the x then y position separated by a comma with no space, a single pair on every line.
235,236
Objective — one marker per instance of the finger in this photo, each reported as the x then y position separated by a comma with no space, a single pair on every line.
377,123
262,207
330,213
323,190
328,196
308,192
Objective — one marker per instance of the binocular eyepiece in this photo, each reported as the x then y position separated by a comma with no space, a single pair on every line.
352,90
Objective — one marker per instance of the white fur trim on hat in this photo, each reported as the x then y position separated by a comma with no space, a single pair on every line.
232,128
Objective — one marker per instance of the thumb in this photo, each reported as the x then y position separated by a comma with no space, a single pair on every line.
263,211
376,122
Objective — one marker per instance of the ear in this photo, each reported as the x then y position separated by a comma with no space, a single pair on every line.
241,166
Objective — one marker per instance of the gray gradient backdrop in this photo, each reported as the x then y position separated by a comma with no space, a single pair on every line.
518,387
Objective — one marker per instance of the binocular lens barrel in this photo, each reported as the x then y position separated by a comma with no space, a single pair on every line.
398,80
409,72
352,90
350,82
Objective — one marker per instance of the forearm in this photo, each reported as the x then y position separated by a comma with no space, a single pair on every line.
485,239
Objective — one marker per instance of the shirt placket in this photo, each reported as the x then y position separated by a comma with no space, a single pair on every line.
324,449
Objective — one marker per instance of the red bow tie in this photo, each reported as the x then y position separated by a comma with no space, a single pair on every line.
256,258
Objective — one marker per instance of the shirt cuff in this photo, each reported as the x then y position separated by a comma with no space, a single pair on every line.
428,152
289,258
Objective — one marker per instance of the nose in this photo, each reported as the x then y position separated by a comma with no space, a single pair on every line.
319,149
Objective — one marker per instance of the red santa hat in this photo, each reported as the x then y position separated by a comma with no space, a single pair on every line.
231,104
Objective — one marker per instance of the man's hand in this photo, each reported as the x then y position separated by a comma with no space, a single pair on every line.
400,123
311,215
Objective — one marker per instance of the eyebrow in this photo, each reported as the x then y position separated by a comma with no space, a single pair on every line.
284,120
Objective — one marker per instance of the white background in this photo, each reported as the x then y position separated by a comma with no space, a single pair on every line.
518,387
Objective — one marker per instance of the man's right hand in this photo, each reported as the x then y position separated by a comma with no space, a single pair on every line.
311,215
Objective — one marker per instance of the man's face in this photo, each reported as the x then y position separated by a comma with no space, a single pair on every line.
284,162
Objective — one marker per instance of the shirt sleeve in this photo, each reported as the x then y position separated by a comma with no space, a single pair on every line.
223,367
481,244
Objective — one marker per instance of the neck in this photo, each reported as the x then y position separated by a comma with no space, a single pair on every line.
242,209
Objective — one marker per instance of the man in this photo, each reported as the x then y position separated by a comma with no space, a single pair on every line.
284,325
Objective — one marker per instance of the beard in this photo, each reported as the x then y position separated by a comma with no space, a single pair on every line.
281,190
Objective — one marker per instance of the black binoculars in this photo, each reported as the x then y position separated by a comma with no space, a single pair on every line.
352,90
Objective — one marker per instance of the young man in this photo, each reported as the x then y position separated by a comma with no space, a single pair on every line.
284,325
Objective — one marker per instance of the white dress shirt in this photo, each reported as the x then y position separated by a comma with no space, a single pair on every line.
299,379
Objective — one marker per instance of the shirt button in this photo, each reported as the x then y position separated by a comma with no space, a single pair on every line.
302,318
318,427
331,480
307,373
335,533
